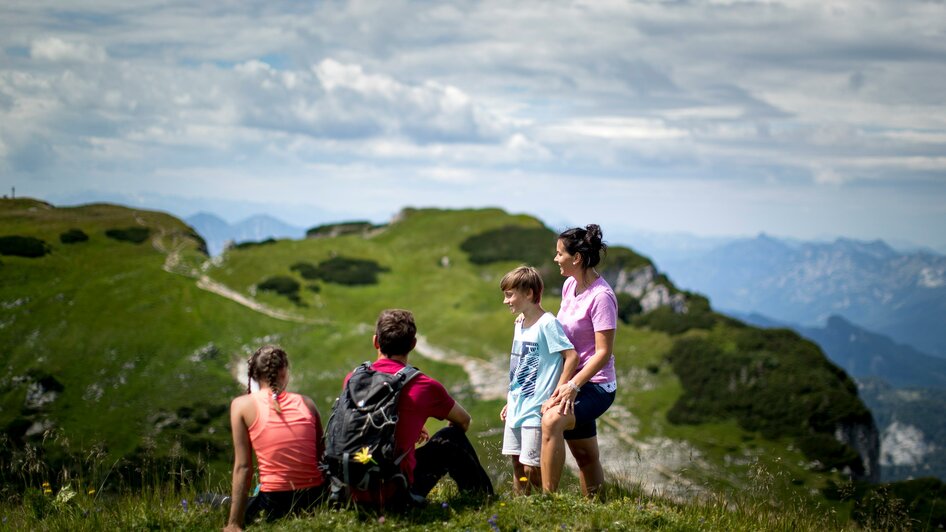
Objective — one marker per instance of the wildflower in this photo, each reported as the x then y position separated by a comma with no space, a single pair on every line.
91,491
47,489
381,520
184,504
364,456
523,479
444,506
502,504
492,523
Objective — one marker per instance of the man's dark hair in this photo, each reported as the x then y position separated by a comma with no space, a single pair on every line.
396,332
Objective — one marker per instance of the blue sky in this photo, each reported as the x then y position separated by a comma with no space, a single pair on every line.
805,119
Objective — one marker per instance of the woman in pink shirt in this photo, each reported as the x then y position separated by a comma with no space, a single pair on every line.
589,316
285,431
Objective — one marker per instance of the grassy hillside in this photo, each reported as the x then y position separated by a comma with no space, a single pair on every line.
130,348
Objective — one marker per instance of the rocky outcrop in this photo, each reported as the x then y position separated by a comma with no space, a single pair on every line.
644,284
865,439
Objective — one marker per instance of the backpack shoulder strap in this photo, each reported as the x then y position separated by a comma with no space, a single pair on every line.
408,372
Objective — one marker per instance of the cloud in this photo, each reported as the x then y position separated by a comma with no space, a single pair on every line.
58,50
833,96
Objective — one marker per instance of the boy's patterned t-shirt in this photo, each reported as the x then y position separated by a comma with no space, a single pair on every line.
535,365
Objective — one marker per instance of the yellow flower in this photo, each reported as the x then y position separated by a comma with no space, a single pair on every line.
523,479
91,491
45,484
47,491
364,456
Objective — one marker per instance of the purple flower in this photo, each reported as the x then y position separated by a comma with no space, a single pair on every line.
184,504
444,506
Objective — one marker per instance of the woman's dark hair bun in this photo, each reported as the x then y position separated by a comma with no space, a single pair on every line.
587,241
593,235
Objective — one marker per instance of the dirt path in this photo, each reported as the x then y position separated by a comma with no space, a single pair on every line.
490,380
652,463
208,284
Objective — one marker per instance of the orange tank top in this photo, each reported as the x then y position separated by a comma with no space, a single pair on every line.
285,444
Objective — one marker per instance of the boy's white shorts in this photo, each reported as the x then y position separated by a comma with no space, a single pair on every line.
524,442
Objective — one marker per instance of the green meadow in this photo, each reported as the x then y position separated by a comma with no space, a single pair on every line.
121,358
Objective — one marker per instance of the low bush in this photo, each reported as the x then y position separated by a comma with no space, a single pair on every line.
306,269
628,307
135,235
23,246
771,381
534,246
340,229
529,245
73,236
341,270
282,285
252,244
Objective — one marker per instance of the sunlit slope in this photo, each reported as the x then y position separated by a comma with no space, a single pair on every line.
136,343
425,265
104,343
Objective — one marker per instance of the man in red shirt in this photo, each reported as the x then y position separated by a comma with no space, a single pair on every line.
449,450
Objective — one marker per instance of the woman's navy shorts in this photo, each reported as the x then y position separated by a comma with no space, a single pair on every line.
591,402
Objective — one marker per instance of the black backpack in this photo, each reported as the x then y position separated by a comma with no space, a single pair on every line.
359,438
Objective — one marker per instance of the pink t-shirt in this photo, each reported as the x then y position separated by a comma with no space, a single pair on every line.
595,309
286,444
421,399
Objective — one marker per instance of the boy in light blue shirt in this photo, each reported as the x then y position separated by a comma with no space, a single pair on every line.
542,358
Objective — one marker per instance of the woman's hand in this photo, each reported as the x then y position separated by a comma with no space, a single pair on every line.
564,396
502,414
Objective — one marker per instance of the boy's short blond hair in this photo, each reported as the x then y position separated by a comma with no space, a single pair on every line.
522,279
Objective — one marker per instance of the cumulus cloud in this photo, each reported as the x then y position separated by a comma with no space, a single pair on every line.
827,95
56,49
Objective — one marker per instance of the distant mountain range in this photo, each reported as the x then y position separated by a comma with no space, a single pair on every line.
901,295
217,232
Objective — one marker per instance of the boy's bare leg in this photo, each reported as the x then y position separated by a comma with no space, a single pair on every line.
519,486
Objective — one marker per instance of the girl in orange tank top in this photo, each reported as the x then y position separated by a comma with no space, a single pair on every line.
284,430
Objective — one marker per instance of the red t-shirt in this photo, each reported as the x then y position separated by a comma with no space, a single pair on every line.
421,399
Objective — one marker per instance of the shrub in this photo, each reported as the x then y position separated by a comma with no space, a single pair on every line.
306,269
135,235
534,246
251,244
341,229
282,285
341,270
23,246
699,315
73,236
529,245
771,381
628,306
